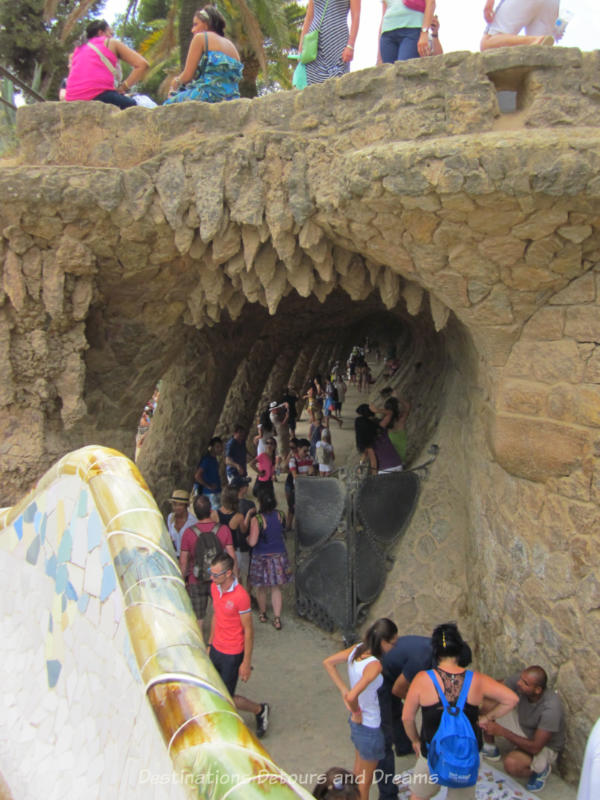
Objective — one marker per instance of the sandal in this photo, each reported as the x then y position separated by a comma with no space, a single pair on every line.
277,623
262,617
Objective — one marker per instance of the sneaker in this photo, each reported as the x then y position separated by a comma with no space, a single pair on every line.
262,720
490,751
537,781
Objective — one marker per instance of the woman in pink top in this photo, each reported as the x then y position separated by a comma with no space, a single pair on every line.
265,466
95,73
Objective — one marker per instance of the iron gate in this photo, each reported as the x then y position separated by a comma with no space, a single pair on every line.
345,529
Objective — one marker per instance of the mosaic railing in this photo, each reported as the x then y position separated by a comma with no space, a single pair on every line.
93,528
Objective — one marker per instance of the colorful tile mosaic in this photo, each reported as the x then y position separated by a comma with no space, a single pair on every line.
117,639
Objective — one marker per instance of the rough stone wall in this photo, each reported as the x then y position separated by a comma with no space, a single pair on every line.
429,580
180,236
538,518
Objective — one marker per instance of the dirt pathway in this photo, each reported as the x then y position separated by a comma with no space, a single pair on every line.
309,729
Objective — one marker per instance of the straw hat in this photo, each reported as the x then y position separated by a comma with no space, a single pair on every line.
180,496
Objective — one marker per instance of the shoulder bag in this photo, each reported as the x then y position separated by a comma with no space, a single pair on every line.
310,43
114,70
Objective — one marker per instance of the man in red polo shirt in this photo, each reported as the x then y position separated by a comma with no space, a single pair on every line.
232,636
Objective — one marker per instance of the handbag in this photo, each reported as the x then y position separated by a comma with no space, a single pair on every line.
415,5
299,77
310,43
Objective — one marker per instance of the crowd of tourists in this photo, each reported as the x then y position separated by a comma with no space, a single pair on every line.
404,693
213,68
232,549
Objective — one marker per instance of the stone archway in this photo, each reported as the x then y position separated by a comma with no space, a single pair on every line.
192,242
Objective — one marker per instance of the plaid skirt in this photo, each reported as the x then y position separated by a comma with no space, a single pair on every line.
270,570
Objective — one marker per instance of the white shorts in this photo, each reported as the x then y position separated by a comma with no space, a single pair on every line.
538,17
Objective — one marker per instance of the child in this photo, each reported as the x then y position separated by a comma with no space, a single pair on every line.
325,455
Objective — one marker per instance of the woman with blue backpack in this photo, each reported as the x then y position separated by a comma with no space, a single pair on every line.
449,696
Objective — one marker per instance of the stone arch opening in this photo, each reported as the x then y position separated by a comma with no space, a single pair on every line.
218,377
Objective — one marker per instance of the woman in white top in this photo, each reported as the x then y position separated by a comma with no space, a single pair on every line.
325,454
266,430
361,699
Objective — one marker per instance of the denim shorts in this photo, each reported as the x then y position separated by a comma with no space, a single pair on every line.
369,742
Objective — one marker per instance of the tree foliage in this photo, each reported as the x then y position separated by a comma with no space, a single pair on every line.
38,35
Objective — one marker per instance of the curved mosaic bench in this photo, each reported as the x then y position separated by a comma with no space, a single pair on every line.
87,565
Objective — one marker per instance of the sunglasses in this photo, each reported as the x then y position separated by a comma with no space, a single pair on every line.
217,574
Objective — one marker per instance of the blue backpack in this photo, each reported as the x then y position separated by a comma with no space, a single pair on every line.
453,754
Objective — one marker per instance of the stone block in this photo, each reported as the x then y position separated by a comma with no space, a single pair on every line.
439,312
477,291
541,252
568,261
592,367
227,245
493,342
587,406
53,279
523,278
540,224
467,260
547,324
577,485
575,233
495,223
583,323
82,297
389,288
588,594
495,309
549,362
504,250
413,295
13,280
536,449
561,400
522,397
420,225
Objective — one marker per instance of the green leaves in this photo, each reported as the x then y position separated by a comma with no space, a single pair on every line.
36,37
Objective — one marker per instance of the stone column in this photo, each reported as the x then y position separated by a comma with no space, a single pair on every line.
299,371
192,395
246,389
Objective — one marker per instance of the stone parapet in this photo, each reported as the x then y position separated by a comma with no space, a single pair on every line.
413,100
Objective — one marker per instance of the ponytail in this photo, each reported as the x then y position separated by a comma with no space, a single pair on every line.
384,630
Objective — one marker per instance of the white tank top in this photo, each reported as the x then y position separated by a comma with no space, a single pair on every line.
367,699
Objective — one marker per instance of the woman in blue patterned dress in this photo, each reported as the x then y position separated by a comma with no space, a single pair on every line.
215,78
336,42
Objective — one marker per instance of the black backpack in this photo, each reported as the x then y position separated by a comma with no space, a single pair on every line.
207,547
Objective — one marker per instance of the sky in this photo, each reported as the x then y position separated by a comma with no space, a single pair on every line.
461,25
